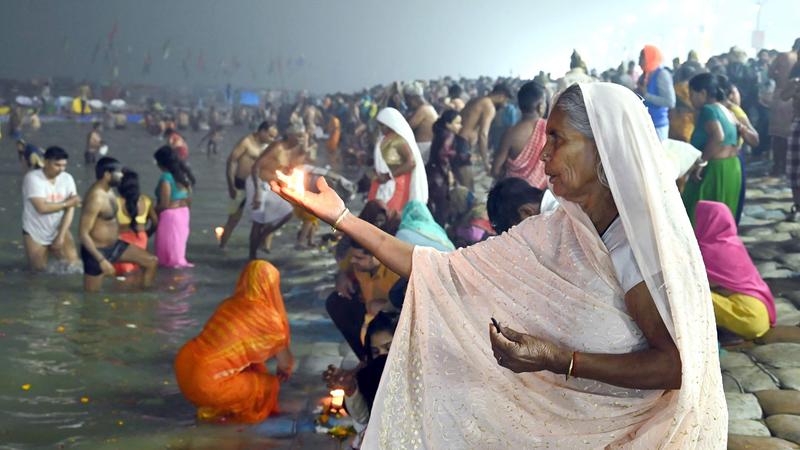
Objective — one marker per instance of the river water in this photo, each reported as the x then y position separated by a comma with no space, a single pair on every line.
95,370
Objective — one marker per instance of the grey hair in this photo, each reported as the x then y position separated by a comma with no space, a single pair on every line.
571,103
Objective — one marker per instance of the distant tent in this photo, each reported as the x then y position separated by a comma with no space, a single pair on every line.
249,98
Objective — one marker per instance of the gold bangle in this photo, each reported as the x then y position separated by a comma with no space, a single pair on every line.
339,220
569,371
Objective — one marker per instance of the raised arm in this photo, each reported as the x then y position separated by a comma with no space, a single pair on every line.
392,252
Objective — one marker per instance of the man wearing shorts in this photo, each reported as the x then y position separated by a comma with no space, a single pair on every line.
238,169
49,198
99,231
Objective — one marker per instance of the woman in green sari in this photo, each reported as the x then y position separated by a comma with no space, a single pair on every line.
718,173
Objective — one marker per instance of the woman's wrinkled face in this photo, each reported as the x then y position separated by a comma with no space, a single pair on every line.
455,125
380,342
570,159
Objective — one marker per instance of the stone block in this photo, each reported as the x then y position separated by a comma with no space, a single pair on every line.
748,428
779,402
729,360
790,378
752,379
742,407
786,314
780,355
785,426
739,442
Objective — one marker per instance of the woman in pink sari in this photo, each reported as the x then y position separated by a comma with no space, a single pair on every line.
173,199
743,303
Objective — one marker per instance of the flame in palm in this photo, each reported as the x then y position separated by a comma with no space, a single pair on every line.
294,181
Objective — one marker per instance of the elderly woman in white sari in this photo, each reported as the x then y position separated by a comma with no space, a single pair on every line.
606,335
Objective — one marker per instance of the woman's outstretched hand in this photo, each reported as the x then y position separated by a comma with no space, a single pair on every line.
521,352
327,205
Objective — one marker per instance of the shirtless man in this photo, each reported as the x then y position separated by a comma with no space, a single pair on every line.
422,117
454,100
520,137
780,116
99,231
94,140
238,168
312,118
477,116
269,211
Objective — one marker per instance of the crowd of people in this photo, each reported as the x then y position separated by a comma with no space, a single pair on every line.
596,182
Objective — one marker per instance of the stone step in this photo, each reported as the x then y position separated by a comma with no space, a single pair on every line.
779,402
740,442
785,426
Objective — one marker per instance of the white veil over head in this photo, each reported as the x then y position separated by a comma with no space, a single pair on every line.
642,182
552,277
418,189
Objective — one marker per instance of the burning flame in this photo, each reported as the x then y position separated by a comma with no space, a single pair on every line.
295,181
337,398
218,232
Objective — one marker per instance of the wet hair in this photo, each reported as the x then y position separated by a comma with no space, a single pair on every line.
505,199
440,132
129,190
502,89
169,132
572,104
55,153
263,126
708,83
105,164
454,91
166,158
530,95
383,321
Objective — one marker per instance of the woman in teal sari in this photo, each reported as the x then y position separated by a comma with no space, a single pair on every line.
417,227
718,173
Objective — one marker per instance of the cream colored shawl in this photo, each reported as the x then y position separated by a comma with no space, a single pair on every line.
552,277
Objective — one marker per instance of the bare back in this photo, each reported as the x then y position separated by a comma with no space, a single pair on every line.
472,117
278,156
422,123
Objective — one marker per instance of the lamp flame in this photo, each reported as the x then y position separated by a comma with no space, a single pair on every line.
295,181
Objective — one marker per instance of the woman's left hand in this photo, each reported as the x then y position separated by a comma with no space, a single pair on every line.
521,352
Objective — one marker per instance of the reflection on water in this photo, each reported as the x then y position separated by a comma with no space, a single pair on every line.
98,367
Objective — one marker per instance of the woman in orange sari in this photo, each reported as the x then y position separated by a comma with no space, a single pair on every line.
222,371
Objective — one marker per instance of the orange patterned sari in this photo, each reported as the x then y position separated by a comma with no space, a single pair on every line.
222,371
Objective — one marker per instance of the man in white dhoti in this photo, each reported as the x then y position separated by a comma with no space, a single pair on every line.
606,335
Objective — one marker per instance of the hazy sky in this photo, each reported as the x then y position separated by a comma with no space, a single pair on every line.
347,44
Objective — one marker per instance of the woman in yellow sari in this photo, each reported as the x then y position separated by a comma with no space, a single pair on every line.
222,371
